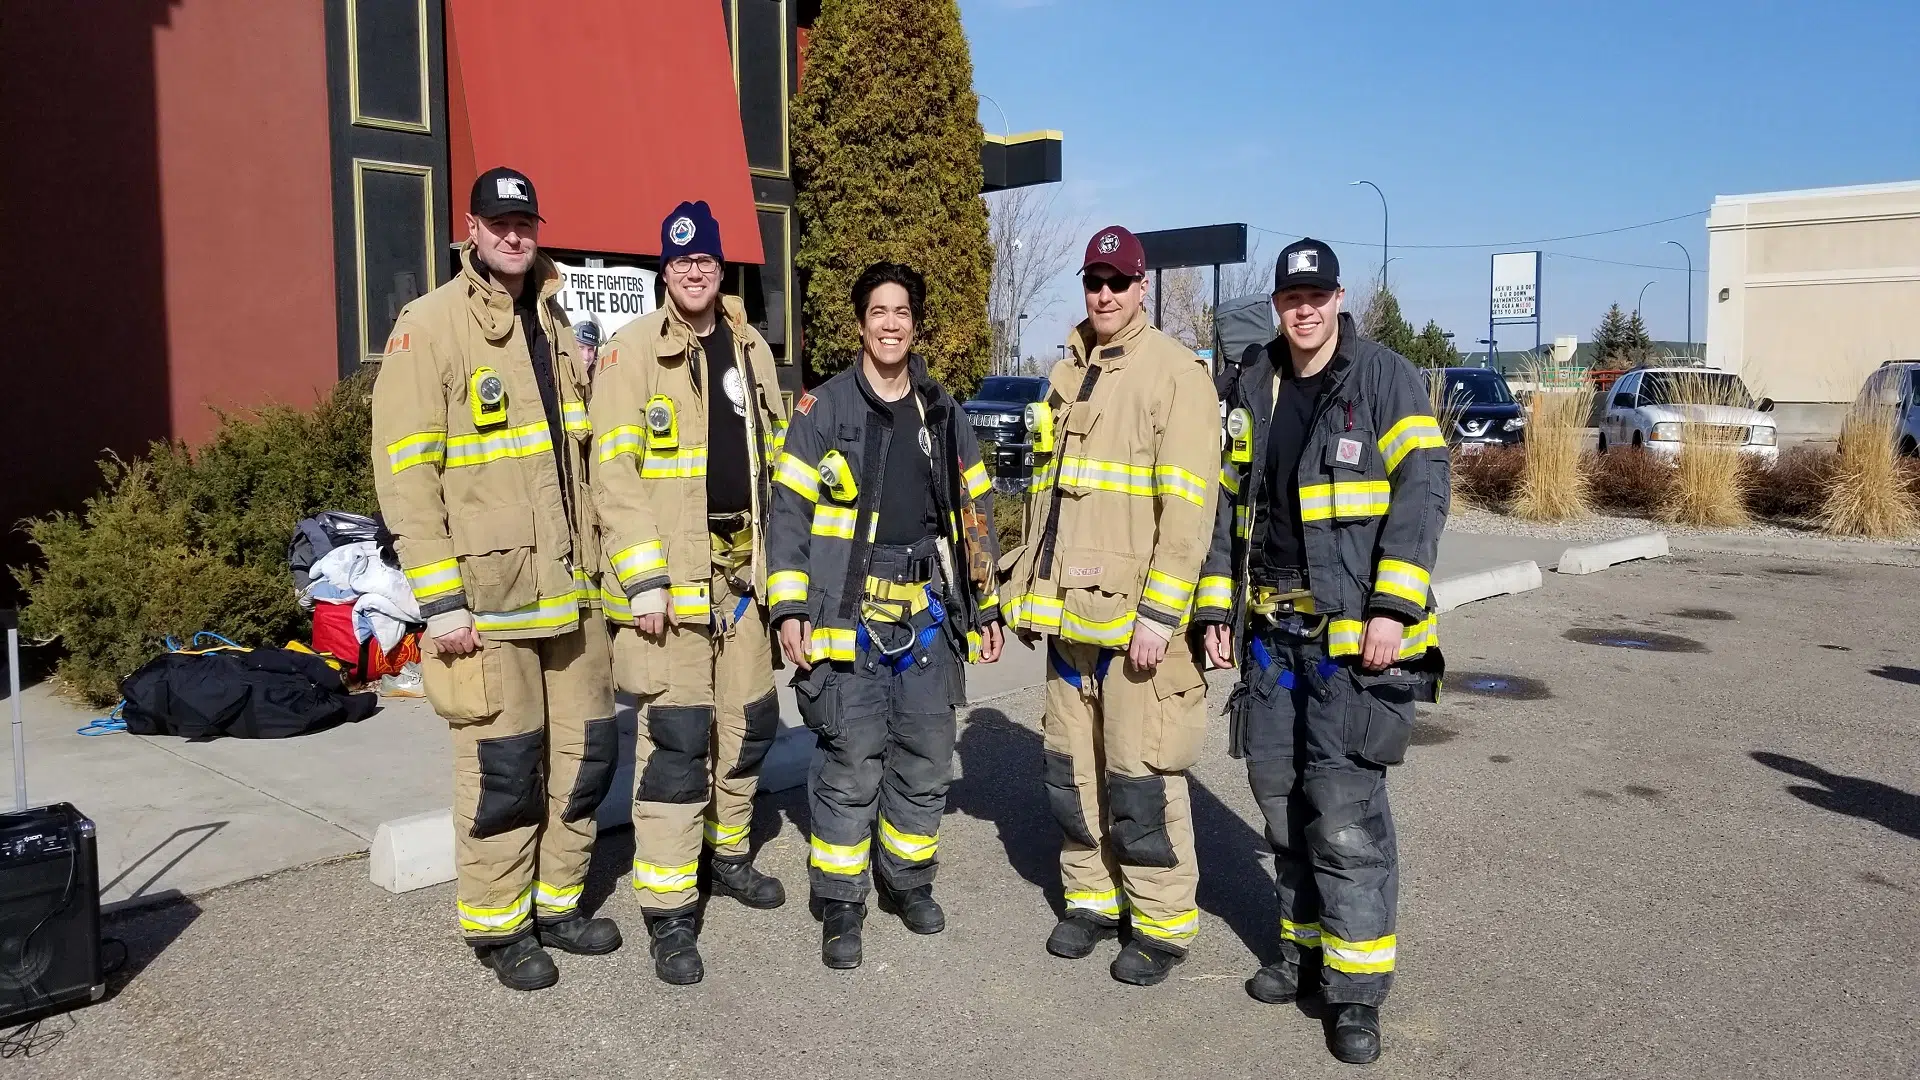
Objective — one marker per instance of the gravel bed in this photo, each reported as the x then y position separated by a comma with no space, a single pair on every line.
1603,527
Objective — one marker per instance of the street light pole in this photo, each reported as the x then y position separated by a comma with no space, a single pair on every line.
1642,298
1383,226
1689,255
1019,331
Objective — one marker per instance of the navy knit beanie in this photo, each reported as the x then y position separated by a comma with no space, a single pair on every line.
690,230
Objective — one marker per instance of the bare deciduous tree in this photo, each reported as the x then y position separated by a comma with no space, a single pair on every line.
1186,309
1033,244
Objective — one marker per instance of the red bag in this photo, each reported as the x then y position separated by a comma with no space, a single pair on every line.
364,662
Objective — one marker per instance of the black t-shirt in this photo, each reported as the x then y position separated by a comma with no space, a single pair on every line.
728,489
1285,546
906,497
540,352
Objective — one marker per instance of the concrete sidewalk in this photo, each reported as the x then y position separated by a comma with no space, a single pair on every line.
182,818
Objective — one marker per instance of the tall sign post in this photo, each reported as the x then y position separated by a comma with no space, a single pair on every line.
1513,296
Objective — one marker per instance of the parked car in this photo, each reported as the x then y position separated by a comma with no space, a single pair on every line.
1896,385
1648,409
998,412
1481,407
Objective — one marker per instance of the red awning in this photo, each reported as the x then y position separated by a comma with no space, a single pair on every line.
617,110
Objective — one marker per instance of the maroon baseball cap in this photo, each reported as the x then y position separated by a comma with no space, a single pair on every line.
1116,247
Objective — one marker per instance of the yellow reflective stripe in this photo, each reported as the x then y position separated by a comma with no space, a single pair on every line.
1347,499
665,879
719,835
1097,475
829,643
419,448
841,858
434,579
666,464
834,521
689,601
1242,522
1114,633
1402,579
1111,902
1416,432
785,585
1230,479
1176,481
909,846
616,604
626,439
557,901
573,415
524,441
1216,591
486,920
1343,637
1032,612
1181,927
636,562
977,482
1358,957
1303,933
1044,476
543,614
799,477
1167,591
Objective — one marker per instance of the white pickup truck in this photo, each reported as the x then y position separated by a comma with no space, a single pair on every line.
1648,408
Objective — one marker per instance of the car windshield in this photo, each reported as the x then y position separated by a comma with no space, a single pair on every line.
1913,374
1694,388
1477,388
1005,388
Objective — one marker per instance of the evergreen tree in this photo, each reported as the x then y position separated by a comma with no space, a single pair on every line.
1432,348
1613,340
1383,324
886,154
1639,347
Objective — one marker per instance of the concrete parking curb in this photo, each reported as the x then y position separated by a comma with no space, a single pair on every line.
1514,577
1593,558
412,852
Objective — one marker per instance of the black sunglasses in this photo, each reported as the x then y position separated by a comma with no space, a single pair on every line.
1093,283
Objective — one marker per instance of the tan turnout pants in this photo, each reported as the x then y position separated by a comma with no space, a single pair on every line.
534,744
1116,752
707,716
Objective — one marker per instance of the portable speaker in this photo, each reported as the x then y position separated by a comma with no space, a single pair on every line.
49,912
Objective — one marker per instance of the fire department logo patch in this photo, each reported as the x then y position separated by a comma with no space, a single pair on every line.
399,343
1109,243
681,231
1347,452
1304,262
805,405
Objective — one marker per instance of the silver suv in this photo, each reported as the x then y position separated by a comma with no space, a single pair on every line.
1896,385
1648,409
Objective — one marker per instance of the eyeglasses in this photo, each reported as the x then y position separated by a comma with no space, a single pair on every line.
684,264
1095,282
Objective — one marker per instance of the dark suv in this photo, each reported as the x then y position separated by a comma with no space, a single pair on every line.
1480,406
998,413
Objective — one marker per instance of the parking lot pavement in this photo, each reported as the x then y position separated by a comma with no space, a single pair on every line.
1620,862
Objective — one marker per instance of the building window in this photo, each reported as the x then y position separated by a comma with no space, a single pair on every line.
772,308
760,74
392,243
387,64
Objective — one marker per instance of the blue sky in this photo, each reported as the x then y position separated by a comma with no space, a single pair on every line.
1481,122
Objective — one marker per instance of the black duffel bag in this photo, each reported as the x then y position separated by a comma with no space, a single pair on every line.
242,693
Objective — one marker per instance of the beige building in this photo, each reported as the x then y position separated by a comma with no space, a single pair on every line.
1809,291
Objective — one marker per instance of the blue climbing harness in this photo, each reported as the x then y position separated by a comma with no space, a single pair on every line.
1325,668
915,650
1072,675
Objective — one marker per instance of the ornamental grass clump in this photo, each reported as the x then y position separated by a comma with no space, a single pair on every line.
1710,478
1868,493
1554,486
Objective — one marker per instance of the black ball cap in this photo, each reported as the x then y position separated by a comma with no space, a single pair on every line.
1306,264
502,191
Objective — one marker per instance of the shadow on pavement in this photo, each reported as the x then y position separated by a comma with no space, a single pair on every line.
1910,676
1001,783
205,833
144,931
1853,796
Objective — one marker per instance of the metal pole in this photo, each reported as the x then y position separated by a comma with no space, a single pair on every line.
1383,226
1157,294
1689,255
1641,299
19,728
1213,323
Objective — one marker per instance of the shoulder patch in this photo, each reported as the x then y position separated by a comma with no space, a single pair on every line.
805,405
608,359
399,343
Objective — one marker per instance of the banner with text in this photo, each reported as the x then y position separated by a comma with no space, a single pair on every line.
609,296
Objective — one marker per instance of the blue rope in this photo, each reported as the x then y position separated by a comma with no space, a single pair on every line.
108,724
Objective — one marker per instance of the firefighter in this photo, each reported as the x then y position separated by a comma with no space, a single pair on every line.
1117,525
480,444
883,579
1336,484
688,415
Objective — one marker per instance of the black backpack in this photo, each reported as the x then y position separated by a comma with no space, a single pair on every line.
242,693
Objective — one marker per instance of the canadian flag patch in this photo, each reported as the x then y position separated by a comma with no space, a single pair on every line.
805,405
399,343
1347,452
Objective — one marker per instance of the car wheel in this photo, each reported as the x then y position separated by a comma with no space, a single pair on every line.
1636,441
1909,448
1603,442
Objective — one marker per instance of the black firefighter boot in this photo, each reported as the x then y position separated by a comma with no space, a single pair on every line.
520,964
1355,1037
580,935
1143,964
917,908
840,923
1075,936
1284,981
676,953
737,877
